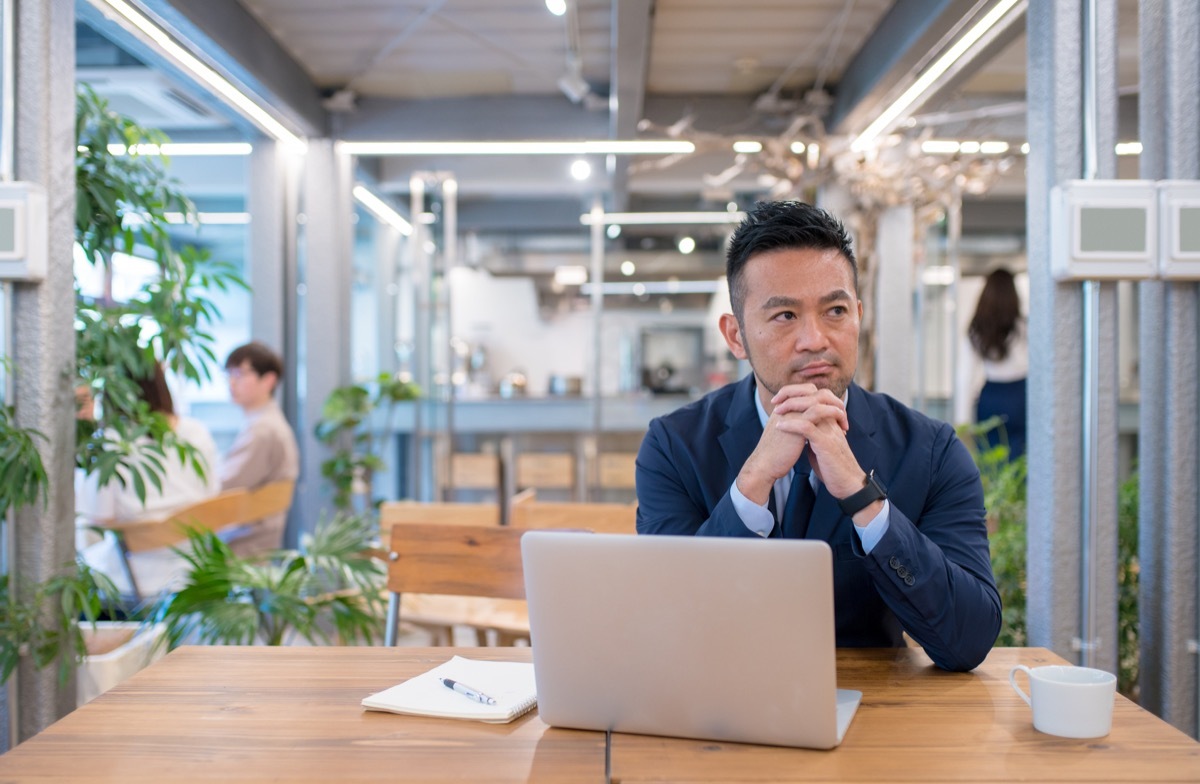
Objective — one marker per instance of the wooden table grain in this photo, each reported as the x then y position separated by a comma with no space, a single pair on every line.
292,715
919,723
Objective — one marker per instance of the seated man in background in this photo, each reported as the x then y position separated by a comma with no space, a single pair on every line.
894,493
265,449
181,485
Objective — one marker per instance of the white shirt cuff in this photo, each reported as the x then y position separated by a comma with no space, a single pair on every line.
756,517
872,532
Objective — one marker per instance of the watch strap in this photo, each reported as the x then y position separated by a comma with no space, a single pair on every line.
872,491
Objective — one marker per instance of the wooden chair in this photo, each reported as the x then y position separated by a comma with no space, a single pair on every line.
141,536
224,513
457,561
600,518
475,471
392,513
616,470
549,471
265,517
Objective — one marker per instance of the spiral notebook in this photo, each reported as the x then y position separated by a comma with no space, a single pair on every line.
510,684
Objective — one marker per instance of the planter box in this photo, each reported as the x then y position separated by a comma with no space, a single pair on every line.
116,650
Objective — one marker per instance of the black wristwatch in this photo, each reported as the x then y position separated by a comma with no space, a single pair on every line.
873,490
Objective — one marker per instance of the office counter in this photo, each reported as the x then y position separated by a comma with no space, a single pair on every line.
294,714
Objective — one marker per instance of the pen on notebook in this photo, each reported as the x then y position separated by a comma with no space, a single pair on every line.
467,691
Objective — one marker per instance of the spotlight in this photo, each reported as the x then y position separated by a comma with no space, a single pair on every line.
686,245
556,7
581,169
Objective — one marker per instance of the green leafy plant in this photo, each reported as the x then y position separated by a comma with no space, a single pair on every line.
345,426
1005,499
122,205
332,583
75,595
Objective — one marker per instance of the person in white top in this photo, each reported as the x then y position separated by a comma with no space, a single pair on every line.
265,449
997,333
159,570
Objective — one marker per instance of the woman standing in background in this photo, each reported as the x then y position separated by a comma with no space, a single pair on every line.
997,334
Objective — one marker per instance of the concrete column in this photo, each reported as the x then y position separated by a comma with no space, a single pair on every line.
893,304
1055,509
271,243
43,333
1169,110
323,329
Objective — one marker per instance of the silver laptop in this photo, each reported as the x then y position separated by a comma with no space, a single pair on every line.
696,637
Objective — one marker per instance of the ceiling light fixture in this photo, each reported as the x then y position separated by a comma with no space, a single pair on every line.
587,147
660,218
1006,11
581,169
181,149
381,210
641,289
570,275
556,7
150,33
1129,148
686,245
797,147
747,146
212,218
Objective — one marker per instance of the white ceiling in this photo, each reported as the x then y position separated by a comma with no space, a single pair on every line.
711,71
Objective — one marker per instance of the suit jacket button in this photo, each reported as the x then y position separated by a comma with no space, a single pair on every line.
894,562
910,580
903,573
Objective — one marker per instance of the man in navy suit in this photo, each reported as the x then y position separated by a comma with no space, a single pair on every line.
797,450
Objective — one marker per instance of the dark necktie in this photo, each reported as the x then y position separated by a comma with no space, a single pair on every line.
799,503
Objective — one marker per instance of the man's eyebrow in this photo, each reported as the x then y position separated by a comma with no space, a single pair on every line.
780,301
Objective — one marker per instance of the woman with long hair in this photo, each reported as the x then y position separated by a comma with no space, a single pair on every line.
997,333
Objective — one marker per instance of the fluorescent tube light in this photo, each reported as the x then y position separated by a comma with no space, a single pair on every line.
595,147
151,33
381,210
186,149
993,148
656,287
1129,148
570,275
747,146
660,218
939,146
214,218
933,73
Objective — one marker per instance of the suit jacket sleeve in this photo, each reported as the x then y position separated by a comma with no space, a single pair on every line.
671,497
952,607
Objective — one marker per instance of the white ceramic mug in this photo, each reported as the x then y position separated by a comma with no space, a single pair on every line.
1072,702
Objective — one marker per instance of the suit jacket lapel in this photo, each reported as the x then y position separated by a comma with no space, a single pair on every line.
827,515
742,428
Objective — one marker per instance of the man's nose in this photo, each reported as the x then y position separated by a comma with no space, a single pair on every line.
810,333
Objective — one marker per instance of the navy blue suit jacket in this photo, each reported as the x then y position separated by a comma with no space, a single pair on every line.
936,534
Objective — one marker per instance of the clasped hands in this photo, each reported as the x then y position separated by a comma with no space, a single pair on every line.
804,418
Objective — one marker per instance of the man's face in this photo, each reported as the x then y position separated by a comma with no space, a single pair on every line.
247,388
800,320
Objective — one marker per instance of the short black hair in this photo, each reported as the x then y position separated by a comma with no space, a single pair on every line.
261,357
776,225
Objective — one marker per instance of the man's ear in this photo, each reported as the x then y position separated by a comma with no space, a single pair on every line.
732,332
274,380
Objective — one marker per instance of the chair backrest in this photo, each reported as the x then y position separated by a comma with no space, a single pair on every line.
269,500
224,509
549,471
459,560
601,518
393,513
475,471
616,470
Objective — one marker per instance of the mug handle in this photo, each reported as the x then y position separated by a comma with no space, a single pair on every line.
1012,680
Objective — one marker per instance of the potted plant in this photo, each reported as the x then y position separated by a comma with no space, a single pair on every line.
122,201
345,426
330,588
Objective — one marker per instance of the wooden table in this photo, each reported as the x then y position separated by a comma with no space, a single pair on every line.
294,715
919,723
